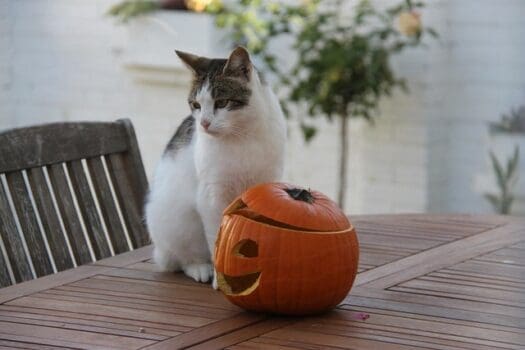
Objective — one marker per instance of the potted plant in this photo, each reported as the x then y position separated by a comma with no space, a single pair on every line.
507,137
343,62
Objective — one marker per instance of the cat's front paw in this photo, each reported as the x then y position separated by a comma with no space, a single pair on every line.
199,272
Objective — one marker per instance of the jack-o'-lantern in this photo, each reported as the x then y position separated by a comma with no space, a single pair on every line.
286,250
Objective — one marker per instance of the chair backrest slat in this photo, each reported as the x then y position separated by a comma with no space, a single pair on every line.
29,224
68,213
12,240
5,277
128,196
108,206
50,221
59,142
87,206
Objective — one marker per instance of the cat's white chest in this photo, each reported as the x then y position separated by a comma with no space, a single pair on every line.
227,170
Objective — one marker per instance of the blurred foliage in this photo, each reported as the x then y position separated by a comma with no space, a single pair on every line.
343,66
506,178
128,9
512,123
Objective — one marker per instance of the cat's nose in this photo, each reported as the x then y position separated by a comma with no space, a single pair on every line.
205,124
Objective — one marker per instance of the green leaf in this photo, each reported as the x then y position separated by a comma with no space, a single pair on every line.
500,176
494,200
128,9
432,32
309,132
286,110
505,179
512,164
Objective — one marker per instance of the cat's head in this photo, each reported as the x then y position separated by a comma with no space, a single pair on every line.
221,91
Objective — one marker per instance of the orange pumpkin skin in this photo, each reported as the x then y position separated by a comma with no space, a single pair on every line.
306,267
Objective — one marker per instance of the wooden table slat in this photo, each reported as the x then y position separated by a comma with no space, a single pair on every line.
217,329
242,334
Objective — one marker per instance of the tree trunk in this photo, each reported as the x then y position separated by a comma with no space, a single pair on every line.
343,158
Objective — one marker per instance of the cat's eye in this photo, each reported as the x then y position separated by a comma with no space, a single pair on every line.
221,103
195,105
236,104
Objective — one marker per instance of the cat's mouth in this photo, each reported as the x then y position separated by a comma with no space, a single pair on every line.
238,285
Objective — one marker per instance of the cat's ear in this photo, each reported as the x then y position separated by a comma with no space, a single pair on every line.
197,64
239,64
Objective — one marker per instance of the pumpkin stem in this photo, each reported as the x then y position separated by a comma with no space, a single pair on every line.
300,194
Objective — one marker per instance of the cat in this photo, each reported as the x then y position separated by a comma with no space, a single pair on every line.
234,138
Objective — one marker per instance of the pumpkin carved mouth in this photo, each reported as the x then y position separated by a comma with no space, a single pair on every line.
238,285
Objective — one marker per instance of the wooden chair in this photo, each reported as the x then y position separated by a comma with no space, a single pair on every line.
70,194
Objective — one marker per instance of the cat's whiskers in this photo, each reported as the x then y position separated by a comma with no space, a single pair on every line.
232,130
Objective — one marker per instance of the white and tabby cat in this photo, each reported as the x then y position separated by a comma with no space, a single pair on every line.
233,139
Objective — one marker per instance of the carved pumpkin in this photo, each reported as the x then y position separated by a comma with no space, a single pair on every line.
285,250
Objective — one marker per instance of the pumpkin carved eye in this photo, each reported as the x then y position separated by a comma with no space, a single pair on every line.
246,249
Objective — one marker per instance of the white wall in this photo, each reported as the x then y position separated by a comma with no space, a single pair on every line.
479,76
65,60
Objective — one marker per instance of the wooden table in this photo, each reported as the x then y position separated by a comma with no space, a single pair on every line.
427,282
